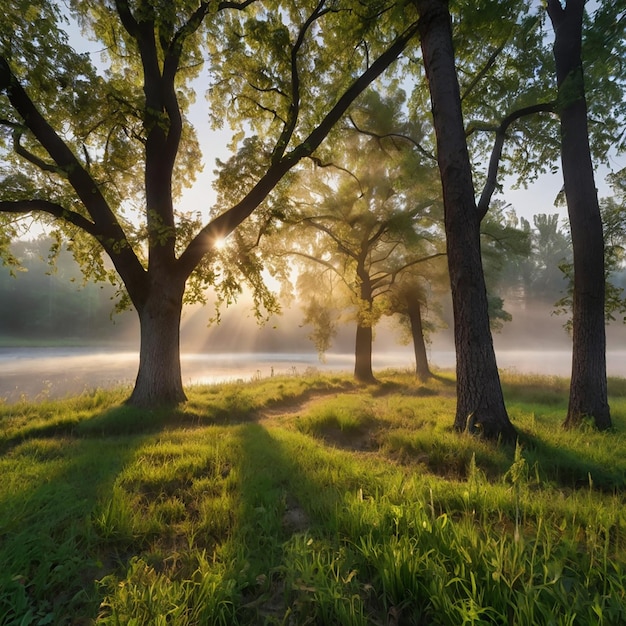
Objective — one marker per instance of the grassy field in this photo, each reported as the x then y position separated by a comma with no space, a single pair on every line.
308,500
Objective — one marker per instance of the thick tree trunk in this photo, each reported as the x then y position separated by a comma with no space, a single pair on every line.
363,354
480,403
159,380
588,387
414,309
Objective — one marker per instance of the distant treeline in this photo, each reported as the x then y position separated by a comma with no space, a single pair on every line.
39,302
44,303
48,304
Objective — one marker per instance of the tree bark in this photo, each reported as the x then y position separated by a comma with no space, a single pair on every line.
588,386
159,380
414,310
364,333
480,403
363,354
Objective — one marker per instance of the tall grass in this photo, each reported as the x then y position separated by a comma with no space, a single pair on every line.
310,501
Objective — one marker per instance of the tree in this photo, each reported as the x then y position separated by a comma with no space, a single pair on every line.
83,147
368,224
588,387
480,403
613,212
410,296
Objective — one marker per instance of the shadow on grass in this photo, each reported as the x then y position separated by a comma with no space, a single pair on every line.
284,513
120,421
571,468
114,422
47,543
411,386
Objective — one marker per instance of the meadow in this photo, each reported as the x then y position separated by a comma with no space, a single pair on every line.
311,500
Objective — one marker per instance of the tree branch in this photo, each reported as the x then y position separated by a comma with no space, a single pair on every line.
496,153
109,231
323,228
235,5
556,11
52,208
341,273
268,90
35,160
321,164
294,108
224,224
126,17
274,113
10,123
391,247
483,71
430,257
378,136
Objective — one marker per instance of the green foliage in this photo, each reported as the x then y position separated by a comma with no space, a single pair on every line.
505,64
604,44
613,210
49,298
110,148
363,221
613,213
252,505
503,244
538,275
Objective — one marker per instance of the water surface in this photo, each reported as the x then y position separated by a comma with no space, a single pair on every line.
56,372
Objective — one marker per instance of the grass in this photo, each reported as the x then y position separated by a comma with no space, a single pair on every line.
309,500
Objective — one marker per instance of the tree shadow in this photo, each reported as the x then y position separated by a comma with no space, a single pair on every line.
417,387
120,421
571,468
284,512
47,541
50,542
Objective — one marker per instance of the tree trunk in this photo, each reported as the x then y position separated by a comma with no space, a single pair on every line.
414,309
588,387
480,403
363,354
364,333
159,380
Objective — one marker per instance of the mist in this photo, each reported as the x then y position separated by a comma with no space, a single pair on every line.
59,338
239,348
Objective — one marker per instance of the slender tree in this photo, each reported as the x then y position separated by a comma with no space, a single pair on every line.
366,228
480,403
588,388
410,296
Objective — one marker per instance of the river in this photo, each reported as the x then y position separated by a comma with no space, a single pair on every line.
37,373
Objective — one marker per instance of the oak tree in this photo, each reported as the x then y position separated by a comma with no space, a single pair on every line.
104,153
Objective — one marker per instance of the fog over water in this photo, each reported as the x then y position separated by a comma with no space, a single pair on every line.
238,349
37,373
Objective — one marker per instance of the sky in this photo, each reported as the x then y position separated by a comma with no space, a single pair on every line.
537,198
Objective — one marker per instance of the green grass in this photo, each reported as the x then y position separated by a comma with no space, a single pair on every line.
309,500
